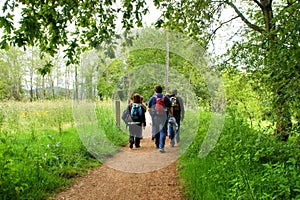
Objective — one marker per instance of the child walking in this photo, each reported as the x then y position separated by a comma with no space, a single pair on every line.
138,121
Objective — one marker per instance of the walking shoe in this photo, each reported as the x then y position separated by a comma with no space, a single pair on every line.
162,150
172,143
131,145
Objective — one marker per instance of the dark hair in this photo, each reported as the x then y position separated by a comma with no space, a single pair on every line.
174,91
158,89
136,98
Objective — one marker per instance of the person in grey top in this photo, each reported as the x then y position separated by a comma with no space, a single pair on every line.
177,108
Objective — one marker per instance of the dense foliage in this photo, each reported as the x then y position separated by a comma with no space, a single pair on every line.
266,46
245,164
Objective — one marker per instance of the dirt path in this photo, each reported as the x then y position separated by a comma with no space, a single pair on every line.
142,173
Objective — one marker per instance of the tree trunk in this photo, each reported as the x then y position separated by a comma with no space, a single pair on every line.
283,122
280,105
31,86
52,88
43,87
76,83
31,77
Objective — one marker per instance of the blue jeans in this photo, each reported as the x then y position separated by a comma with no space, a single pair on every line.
159,130
174,134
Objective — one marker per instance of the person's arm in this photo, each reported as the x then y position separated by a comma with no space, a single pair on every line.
144,117
150,105
129,108
181,108
168,105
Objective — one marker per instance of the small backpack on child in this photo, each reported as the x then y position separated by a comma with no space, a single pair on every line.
136,111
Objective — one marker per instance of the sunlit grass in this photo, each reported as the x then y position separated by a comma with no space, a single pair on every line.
31,117
41,150
245,164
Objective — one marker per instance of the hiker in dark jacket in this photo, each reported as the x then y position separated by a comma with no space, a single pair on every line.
177,109
138,121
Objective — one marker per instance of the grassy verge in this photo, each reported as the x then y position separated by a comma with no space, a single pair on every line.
245,164
40,148
35,168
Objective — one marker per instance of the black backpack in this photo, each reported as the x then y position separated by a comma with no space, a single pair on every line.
126,117
175,103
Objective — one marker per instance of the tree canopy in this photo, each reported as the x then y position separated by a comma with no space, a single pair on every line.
64,23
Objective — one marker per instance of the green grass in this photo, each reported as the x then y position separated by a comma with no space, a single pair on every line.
33,168
41,150
245,164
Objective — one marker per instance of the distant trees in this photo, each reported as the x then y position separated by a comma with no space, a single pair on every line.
26,75
12,74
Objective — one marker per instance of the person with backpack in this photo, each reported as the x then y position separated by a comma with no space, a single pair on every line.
177,110
137,120
158,109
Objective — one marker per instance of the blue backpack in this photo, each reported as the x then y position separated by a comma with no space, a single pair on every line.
136,111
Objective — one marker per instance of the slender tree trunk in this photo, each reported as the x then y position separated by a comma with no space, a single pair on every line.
167,64
52,87
31,85
31,76
43,87
76,82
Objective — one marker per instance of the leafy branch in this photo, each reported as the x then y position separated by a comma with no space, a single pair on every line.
244,19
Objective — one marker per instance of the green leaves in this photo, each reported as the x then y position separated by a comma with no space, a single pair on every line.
245,164
52,24
46,69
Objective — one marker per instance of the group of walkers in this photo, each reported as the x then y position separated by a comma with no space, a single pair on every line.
166,111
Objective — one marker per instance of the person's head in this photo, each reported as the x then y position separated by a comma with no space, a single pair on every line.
158,89
174,92
136,98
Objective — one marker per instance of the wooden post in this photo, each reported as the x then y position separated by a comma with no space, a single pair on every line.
118,113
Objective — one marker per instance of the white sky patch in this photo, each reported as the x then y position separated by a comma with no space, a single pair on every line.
153,14
225,35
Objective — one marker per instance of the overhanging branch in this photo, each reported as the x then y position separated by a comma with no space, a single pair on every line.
220,26
258,3
224,23
244,19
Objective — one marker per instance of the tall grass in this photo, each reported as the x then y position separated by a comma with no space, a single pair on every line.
40,149
245,164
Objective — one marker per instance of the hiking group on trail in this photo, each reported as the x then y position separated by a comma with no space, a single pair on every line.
166,112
